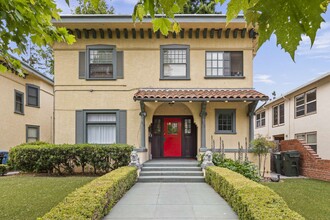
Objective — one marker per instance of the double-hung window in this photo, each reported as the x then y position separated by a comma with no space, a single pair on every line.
32,95
310,138
305,103
32,133
101,62
224,64
278,115
101,128
174,62
261,119
19,102
225,121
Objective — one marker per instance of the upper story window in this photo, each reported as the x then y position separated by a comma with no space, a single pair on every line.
32,95
261,119
305,103
278,115
224,64
101,62
19,102
225,121
174,61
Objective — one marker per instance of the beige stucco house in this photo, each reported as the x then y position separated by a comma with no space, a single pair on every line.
168,96
302,113
26,111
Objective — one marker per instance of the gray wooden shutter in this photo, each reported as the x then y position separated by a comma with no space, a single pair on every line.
120,65
82,65
80,127
122,126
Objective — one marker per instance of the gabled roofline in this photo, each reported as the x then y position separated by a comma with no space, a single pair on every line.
295,90
106,18
35,72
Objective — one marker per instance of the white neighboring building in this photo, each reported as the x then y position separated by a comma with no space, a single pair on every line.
303,113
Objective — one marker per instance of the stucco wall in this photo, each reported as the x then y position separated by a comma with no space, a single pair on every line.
12,125
319,121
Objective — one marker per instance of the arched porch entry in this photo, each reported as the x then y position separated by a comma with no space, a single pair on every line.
173,132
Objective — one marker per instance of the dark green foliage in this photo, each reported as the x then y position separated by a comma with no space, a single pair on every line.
246,168
250,200
95,199
199,7
43,157
3,169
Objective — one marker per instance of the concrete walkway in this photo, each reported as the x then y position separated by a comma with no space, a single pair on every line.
171,201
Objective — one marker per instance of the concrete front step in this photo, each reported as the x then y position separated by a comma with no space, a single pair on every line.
171,173
171,169
170,165
168,179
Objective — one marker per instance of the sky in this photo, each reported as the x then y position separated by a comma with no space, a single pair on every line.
273,69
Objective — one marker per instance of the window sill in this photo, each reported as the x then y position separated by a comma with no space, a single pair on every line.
261,127
19,113
101,79
174,79
280,125
224,77
33,106
221,132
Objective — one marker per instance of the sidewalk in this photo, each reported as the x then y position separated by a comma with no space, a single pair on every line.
171,201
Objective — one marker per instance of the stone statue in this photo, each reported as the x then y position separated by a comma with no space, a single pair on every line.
207,159
135,160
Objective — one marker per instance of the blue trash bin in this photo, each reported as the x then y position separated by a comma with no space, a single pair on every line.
3,156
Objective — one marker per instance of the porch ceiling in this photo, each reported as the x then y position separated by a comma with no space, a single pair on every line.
185,95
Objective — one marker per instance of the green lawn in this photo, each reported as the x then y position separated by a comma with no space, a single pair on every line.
28,197
310,198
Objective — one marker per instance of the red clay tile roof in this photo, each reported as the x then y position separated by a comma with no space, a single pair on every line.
198,94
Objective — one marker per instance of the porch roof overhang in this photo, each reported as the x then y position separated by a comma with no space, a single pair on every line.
198,95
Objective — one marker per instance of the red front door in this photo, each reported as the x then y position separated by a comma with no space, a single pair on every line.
172,136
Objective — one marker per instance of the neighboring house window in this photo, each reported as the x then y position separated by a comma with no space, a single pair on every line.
261,119
305,103
175,62
278,115
19,102
101,128
225,121
224,64
310,139
101,62
32,95
32,133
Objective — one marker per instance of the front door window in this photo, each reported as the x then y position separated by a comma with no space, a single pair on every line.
172,137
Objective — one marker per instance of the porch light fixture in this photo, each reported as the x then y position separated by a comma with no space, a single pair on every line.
244,100
226,101
190,101
208,101
156,101
173,101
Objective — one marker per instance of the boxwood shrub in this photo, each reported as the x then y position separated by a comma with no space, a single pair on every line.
95,199
250,200
3,169
65,158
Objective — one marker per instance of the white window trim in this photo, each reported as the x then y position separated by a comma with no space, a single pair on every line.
305,103
260,120
278,114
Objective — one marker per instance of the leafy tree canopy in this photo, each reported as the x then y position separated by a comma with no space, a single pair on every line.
21,20
87,8
287,19
199,7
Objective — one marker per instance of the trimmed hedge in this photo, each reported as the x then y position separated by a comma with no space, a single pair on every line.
3,169
95,199
43,157
248,199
